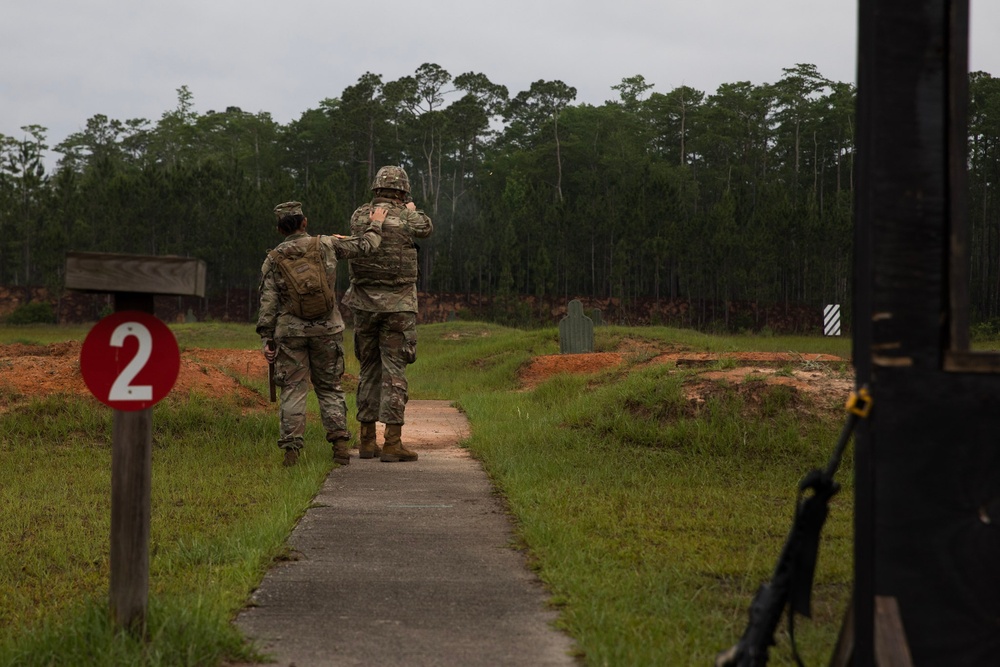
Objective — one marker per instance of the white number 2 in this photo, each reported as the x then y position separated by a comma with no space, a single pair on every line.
122,390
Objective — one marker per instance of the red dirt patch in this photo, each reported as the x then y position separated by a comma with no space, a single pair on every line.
42,370
542,368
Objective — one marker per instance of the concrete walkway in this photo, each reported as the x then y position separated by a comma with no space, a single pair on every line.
407,564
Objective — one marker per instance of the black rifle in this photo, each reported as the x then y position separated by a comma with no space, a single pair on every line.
791,583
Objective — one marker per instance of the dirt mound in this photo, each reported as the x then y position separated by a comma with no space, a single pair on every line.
542,368
821,376
42,370
222,372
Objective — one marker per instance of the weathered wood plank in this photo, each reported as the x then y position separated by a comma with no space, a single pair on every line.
109,272
891,649
972,362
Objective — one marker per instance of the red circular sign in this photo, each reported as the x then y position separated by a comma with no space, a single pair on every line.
130,360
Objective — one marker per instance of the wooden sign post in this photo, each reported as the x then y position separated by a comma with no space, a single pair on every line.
130,384
131,483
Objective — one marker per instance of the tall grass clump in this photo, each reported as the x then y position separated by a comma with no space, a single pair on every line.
180,631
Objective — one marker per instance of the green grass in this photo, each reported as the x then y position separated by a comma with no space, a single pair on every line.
222,507
42,334
454,359
651,520
205,334
652,525
608,338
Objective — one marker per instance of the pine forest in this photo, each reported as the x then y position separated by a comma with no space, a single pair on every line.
743,194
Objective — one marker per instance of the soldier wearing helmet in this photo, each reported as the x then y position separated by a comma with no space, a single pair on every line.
383,298
391,178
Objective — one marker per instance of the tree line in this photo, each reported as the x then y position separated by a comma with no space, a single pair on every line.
741,195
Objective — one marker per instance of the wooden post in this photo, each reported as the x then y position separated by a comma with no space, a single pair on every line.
131,482
134,280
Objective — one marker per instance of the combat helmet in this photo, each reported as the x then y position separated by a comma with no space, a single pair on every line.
391,178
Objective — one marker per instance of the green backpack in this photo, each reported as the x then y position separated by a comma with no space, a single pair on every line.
310,295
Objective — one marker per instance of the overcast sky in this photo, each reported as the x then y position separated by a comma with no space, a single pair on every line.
64,62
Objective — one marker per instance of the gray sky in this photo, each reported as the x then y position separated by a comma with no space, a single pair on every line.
63,62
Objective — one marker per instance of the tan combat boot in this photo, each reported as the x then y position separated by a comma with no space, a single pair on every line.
291,457
367,447
394,449
341,453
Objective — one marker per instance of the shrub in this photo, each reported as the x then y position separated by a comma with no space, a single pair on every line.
34,312
985,331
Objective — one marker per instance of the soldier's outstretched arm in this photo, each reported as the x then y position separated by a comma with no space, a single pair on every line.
365,243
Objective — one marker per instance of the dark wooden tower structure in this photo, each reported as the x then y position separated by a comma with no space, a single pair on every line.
928,458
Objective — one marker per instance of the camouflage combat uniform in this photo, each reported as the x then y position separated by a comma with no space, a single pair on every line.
383,298
309,349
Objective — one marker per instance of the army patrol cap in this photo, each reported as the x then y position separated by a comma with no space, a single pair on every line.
288,208
391,178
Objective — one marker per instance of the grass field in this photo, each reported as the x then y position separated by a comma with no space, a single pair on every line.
652,522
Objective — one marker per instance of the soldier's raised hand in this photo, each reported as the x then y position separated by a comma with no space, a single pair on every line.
378,214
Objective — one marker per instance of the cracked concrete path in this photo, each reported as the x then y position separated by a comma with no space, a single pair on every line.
407,564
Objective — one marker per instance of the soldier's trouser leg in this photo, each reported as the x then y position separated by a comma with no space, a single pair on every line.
291,373
398,348
370,375
326,364
384,344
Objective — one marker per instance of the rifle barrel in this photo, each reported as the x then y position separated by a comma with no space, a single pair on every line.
272,389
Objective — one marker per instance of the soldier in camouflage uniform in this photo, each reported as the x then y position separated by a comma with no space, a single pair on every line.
305,350
383,299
